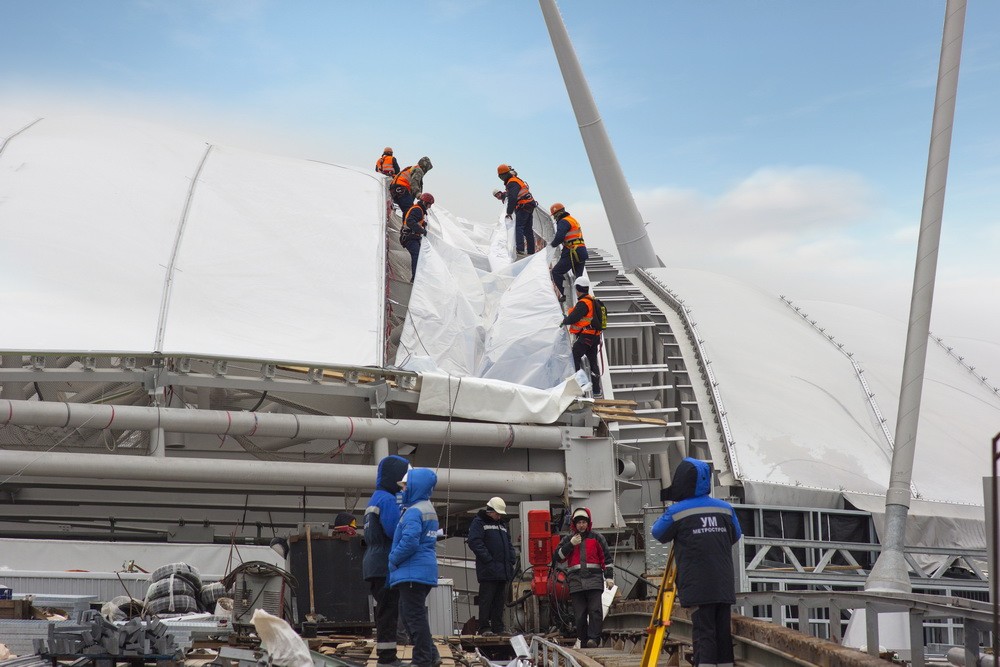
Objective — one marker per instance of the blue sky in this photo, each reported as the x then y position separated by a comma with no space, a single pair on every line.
781,141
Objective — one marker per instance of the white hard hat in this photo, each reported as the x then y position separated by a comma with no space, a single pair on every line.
497,504
582,282
405,475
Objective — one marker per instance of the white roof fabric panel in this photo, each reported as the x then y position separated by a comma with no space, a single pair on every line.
797,411
92,208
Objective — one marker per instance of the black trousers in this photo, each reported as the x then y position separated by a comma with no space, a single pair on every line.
413,246
386,618
587,345
492,596
568,263
587,612
413,609
524,235
712,635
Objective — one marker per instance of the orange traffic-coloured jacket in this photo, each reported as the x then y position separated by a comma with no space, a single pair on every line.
518,194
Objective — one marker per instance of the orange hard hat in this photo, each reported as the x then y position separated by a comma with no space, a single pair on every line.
387,151
556,208
503,169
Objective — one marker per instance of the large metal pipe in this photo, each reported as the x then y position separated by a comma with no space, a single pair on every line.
181,420
890,571
634,246
256,474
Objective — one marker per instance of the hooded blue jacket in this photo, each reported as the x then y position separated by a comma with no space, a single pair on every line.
413,557
703,530
381,517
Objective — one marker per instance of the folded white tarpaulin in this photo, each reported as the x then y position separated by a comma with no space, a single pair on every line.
494,400
465,321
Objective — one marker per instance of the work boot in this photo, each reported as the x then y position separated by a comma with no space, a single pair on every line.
590,644
487,633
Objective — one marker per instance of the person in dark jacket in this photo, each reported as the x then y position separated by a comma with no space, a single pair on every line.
574,251
520,206
703,530
590,571
413,568
415,229
588,338
381,517
495,561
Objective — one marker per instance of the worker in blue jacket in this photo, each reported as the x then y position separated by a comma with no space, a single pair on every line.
413,568
703,530
381,517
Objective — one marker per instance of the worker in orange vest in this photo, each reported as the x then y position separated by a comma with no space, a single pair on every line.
407,184
588,335
415,229
574,250
387,163
521,204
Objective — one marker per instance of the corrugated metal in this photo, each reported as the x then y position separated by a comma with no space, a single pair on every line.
439,608
103,585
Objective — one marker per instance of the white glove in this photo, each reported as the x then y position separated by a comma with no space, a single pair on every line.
609,583
575,540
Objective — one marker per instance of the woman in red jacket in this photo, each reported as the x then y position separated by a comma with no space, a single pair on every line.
590,571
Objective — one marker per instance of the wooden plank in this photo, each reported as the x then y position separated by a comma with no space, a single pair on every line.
610,401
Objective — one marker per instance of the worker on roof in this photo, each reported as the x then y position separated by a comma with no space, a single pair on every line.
574,250
415,229
387,163
581,321
409,183
590,571
520,205
413,568
703,531
496,560
381,518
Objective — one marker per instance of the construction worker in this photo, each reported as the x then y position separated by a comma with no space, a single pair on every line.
496,559
407,184
413,568
387,163
415,229
521,204
590,571
574,250
588,336
381,517
703,531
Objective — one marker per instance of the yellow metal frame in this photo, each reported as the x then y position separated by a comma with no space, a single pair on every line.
659,624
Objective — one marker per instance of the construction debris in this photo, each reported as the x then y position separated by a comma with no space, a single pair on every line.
93,635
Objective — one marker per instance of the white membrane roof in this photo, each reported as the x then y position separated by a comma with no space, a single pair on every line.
111,245
798,413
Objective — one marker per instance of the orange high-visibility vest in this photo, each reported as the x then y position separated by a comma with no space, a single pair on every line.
583,325
384,165
403,177
524,194
574,237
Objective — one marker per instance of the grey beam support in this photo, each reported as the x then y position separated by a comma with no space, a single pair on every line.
259,474
180,420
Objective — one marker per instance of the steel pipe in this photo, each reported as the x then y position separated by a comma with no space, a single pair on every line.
363,429
254,474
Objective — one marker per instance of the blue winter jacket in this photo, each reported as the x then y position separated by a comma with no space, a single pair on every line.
703,530
381,517
413,557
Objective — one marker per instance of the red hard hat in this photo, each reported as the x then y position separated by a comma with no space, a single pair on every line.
555,208
427,198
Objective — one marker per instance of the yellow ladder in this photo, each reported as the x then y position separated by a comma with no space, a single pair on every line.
660,622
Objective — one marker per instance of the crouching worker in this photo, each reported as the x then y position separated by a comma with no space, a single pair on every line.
703,530
413,568
590,571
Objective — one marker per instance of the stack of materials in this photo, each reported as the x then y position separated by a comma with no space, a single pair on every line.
93,635
177,589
